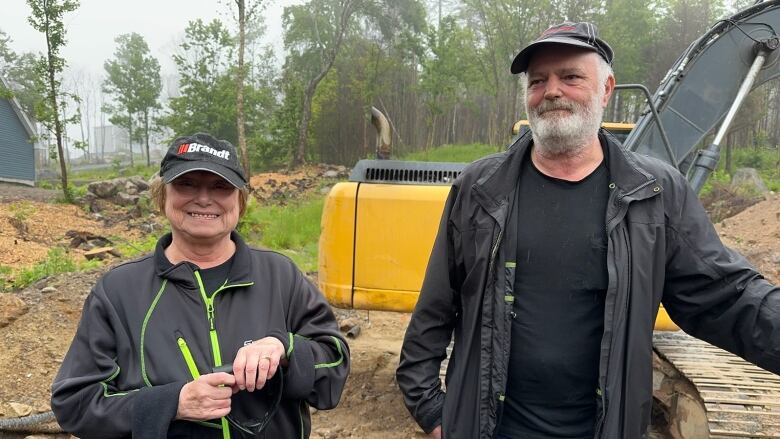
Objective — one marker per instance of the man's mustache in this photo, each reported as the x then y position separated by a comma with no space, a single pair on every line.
546,106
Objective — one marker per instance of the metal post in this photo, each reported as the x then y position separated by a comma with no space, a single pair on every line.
707,160
664,137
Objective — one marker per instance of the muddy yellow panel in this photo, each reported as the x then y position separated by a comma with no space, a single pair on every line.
395,228
663,322
336,244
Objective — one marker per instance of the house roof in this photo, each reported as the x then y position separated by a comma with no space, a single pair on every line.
29,126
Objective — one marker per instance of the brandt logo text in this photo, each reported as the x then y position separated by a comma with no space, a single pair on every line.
197,147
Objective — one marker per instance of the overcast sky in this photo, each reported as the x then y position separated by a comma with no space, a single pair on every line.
91,29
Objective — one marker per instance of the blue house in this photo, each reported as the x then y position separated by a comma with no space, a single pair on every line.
17,150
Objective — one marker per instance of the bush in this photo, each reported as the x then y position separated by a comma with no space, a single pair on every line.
293,229
57,261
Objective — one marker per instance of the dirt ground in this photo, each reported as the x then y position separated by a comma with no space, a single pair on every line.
36,324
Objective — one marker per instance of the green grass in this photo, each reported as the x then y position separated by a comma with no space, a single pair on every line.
765,160
57,261
114,172
453,153
131,249
292,229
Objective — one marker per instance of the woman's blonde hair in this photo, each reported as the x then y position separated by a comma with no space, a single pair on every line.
157,196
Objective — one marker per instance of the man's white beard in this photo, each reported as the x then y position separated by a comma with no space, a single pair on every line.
565,134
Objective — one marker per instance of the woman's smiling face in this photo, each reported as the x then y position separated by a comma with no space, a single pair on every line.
202,207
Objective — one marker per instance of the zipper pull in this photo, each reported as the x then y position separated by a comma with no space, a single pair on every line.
210,311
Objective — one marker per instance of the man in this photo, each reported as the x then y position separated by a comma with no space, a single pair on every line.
549,266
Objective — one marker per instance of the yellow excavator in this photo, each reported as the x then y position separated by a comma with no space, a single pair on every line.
378,228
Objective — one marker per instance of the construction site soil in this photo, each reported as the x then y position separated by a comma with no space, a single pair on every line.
38,322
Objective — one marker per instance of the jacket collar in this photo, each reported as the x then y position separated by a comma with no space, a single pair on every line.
183,272
494,188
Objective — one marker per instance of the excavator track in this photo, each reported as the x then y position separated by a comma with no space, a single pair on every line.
740,400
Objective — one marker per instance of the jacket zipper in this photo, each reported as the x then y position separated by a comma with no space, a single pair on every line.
209,301
494,251
603,391
185,352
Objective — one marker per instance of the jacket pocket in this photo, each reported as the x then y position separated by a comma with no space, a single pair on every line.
187,355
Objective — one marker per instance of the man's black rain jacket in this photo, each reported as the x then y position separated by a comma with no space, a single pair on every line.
146,330
661,248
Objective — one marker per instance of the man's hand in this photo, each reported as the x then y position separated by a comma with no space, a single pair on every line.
436,433
257,362
206,398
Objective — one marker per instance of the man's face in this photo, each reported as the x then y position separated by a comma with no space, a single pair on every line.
202,207
565,99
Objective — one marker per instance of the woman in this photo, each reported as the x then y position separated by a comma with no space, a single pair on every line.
154,329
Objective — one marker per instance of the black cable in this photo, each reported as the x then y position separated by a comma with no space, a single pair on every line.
255,427
739,27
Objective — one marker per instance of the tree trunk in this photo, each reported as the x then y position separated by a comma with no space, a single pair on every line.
58,128
146,137
303,131
299,158
240,118
130,136
729,164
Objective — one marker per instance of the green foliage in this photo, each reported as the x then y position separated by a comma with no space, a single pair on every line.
6,280
21,211
47,17
451,69
292,229
764,160
208,90
142,246
57,261
278,145
133,79
452,153
116,170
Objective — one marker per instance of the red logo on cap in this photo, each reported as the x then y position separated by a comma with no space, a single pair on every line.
183,148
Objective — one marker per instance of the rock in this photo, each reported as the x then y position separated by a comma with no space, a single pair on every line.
103,189
748,179
48,290
324,190
130,188
21,409
347,324
98,205
326,433
41,407
354,332
41,284
101,253
140,184
330,174
11,308
124,199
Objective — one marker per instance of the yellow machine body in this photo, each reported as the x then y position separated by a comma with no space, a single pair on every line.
376,240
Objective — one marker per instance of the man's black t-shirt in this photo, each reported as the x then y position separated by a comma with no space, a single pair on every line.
560,286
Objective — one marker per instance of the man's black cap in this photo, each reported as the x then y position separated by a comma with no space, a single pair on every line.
583,35
202,152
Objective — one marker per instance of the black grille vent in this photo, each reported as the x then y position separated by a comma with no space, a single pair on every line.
401,172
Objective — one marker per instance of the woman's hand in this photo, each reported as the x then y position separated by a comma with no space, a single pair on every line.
206,398
257,362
